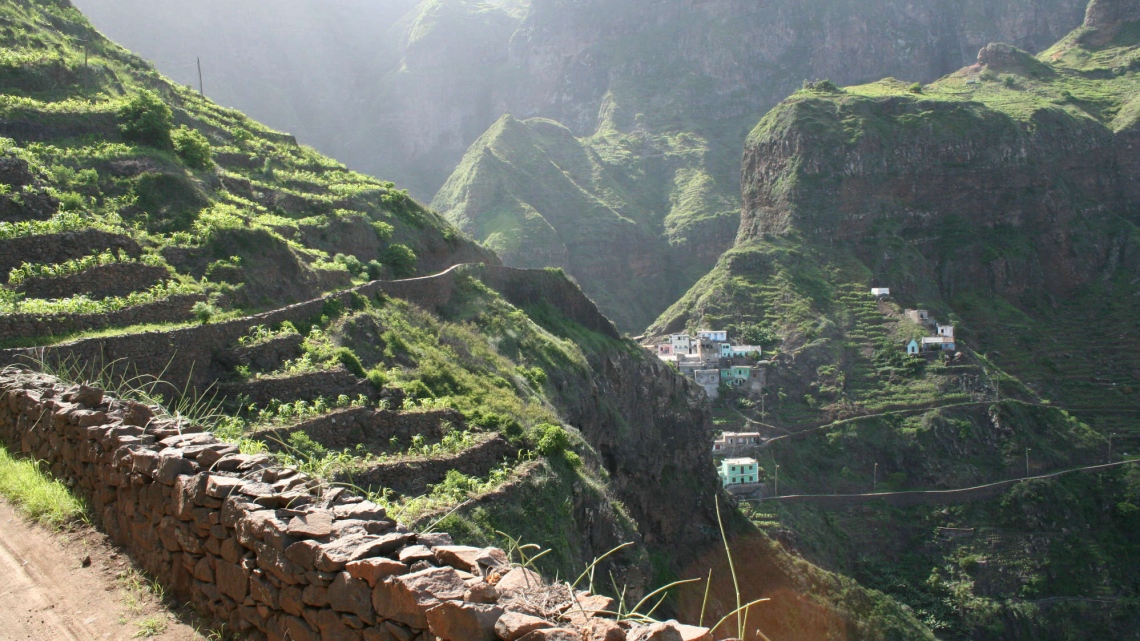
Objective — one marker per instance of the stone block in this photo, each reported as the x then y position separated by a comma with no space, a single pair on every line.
407,598
312,525
334,628
233,580
552,634
457,621
333,556
602,630
348,594
290,600
655,632
512,626
372,571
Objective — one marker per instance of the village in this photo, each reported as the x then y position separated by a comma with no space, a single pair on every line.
711,360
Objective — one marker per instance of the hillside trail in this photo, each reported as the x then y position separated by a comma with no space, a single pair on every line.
48,592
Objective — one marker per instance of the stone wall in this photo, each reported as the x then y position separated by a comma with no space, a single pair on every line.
167,310
197,356
103,281
414,477
59,248
328,384
272,553
373,428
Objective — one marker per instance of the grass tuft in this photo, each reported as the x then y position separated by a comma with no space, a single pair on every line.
37,496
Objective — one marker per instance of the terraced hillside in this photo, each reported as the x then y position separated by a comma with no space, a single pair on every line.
1001,198
180,255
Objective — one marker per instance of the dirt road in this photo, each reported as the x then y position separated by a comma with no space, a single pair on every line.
49,592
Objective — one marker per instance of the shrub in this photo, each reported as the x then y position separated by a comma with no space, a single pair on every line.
146,119
550,439
192,147
351,263
204,312
350,361
377,378
915,88
375,270
401,259
822,86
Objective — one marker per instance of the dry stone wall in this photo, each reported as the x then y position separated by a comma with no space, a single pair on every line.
199,356
60,248
168,310
272,553
371,427
103,281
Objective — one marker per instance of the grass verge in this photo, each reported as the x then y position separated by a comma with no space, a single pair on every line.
36,495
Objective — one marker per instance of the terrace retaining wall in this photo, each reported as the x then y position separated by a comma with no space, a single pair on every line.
265,549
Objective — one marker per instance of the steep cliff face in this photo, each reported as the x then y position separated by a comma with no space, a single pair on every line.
661,94
1008,185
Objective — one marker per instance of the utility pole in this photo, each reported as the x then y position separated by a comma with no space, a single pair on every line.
201,87
875,481
1110,437
777,480
1027,450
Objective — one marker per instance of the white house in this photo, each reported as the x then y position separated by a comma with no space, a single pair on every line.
682,343
713,336
880,291
943,343
732,441
745,351
946,330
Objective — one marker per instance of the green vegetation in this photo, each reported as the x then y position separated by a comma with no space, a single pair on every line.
27,271
35,494
603,198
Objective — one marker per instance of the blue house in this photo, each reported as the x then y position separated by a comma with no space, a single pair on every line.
913,348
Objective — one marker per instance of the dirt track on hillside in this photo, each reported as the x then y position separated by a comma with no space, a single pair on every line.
46,593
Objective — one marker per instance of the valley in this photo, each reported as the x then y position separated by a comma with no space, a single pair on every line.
889,389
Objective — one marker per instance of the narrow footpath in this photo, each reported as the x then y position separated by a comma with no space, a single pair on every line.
73,586
933,497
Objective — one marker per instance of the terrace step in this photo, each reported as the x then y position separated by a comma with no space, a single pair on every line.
373,428
266,356
103,281
413,477
308,386
174,309
59,248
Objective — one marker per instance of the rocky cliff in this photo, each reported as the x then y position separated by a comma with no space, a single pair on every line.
1011,180
658,96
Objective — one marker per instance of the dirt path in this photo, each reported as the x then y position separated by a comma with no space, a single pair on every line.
47,593
934,497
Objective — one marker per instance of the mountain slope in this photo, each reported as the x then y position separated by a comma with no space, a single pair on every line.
478,400
1003,199
664,93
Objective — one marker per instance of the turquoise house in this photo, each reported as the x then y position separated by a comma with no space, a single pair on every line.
736,376
912,348
738,471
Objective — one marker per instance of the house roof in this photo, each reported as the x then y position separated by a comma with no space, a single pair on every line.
928,340
741,461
